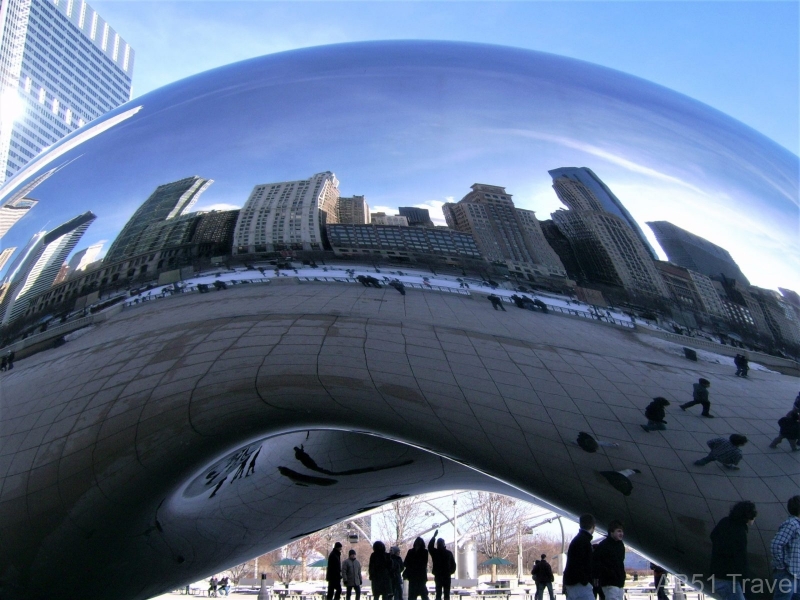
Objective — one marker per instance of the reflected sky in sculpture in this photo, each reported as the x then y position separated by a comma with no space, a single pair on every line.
412,123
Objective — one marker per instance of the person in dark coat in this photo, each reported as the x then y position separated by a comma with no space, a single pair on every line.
737,360
444,565
351,574
497,304
396,572
729,551
578,572
700,396
416,564
398,285
659,581
333,575
608,563
380,567
655,413
543,577
789,429
11,356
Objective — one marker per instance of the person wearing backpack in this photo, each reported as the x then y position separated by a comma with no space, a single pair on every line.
655,414
543,577
444,565
789,429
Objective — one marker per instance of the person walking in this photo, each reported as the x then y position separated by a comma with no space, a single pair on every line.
725,451
737,360
789,429
10,364
379,569
416,570
543,577
785,549
700,396
729,551
497,304
578,572
351,574
333,575
608,562
659,581
444,565
396,572
655,413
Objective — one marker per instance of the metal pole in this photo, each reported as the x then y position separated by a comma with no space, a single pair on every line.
455,525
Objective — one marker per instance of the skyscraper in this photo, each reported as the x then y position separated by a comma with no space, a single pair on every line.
167,202
353,210
693,252
290,215
38,265
83,258
5,255
502,232
61,66
417,217
593,193
13,211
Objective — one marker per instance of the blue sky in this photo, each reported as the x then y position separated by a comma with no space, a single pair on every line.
739,57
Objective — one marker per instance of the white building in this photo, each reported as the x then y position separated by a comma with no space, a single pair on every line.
290,215
13,211
61,66
83,258
380,218
38,265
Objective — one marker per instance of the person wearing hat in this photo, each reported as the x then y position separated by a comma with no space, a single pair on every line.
700,396
351,574
334,573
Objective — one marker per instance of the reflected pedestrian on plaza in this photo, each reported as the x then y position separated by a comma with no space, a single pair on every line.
785,548
497,304
729,551
789,429
700,396
725,451
655,413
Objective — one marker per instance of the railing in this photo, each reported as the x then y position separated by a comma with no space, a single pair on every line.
383,282
579,313
191,288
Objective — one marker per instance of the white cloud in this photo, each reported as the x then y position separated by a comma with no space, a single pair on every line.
217,206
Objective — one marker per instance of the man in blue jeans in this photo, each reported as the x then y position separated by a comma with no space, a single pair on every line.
785,550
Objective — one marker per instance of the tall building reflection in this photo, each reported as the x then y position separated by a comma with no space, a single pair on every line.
694,252
39,264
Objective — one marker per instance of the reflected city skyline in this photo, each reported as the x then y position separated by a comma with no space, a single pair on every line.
665,156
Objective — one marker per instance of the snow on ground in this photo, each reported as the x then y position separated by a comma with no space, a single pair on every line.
703,355
408,276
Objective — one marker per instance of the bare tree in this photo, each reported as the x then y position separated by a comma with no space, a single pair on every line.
235,573
495,522
306,548
400,520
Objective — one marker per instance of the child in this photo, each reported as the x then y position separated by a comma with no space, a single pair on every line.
655,414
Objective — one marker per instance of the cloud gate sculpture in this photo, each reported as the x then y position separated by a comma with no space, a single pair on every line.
178,437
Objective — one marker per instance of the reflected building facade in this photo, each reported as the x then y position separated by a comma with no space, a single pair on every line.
503,233
609,250
39,264
289,215
13,211
353,210
64,66
156,216
402,243
417,217
583,187
693,252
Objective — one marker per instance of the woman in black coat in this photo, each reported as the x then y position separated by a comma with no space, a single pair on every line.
380,565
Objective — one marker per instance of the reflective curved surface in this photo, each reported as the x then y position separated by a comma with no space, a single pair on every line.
167,424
